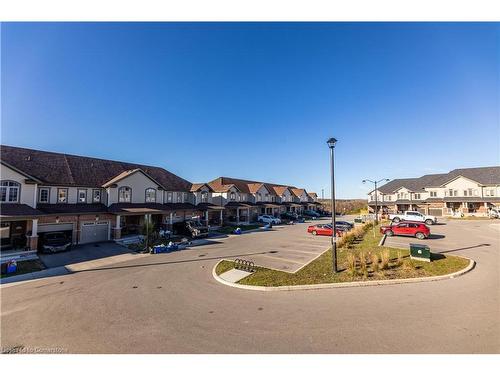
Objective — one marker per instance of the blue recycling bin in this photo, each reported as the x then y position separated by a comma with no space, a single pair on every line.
11,266
160,249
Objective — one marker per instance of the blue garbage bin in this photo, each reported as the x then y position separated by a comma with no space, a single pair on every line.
11,266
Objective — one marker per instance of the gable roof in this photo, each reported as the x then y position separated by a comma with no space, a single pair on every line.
482,175
298,192
198,186
53,168
280,190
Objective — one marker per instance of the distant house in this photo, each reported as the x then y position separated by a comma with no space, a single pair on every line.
471,191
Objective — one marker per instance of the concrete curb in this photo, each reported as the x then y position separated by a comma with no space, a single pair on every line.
25,277
382,240
352,284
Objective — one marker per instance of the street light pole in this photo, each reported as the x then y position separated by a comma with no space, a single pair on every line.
376,199
331,144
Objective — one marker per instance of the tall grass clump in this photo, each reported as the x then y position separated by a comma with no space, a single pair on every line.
351,264
386,258
362,264
375,265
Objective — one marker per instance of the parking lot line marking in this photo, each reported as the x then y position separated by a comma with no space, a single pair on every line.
304,252
282,259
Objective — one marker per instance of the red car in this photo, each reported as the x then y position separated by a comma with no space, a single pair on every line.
322,230
407,228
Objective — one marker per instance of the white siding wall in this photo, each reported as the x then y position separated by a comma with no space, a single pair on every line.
27,190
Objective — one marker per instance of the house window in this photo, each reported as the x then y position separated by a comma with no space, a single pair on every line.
433,193
417,196
489,193
43,195
389,198
204,197
96,196
9,191
232,196
169,197
62,195
184,197
150,195
82,195
267,197
124,194
243,197
179,197
259,197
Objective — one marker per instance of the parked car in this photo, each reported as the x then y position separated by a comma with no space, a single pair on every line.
407,228
323,230
54,242
344,223
413,216
289,216
192,228
494,213
268,219
310,213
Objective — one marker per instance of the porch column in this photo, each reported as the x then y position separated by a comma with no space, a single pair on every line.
237,215
33,239
171,220
117,230
220,218
206,216
248,216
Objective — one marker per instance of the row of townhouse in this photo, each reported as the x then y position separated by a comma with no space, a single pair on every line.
94,200
471,191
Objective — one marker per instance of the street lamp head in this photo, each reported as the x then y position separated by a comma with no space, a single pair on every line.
364,181
331,142
387,179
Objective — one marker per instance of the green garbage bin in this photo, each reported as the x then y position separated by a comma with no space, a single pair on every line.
420,252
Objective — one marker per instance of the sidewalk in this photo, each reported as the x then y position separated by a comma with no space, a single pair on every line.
70,268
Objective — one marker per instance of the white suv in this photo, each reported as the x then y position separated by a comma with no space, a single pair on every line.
268,219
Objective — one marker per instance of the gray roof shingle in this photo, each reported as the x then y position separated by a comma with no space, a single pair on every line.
70,170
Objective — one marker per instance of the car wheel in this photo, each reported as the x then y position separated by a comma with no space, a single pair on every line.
389,233
314,233
429,222
396,219
420,235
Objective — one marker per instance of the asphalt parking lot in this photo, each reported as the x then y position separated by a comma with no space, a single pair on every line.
285,247
170,303
450,236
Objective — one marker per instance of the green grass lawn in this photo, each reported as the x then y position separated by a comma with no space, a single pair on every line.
26,267
320,270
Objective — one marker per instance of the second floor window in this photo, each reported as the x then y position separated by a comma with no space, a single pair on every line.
179,197
62,195
82,195
204,197
150,195
259,197
417,196
124,194
433,194
169,197
9,191
232,196
96,196
43,195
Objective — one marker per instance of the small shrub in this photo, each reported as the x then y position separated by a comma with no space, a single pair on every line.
408,266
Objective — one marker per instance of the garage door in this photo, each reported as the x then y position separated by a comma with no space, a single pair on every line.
94,232
55,227
436,211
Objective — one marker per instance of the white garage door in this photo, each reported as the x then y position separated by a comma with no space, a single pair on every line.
55,227
94,232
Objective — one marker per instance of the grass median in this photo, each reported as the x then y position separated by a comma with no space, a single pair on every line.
359,259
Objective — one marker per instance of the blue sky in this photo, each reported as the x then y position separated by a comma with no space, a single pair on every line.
257,100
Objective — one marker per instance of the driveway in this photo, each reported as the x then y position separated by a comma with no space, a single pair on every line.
170,303
83,253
